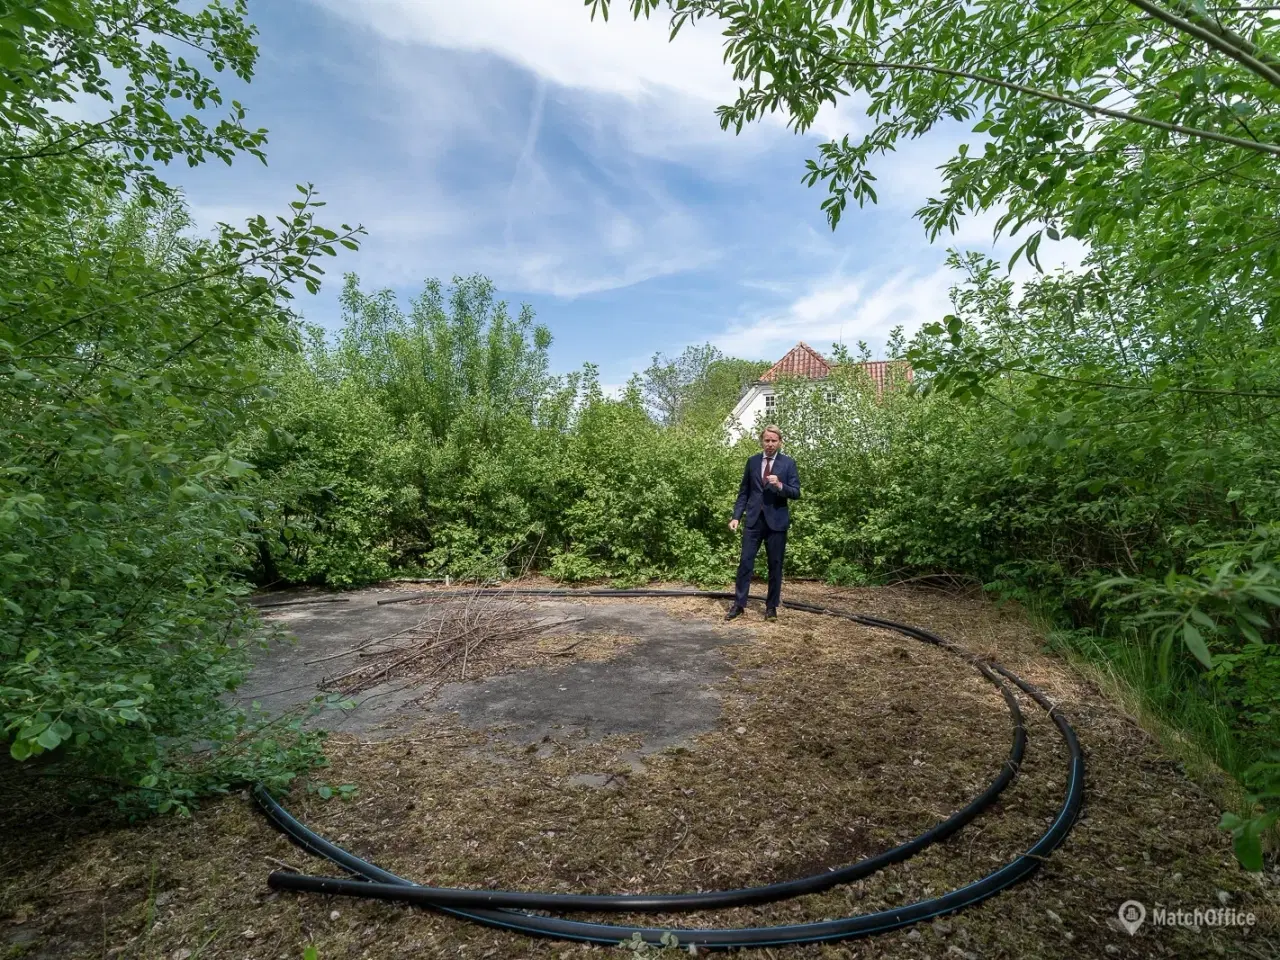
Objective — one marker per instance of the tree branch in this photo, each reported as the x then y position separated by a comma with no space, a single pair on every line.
1201,391
156,291
1082,105
1221,39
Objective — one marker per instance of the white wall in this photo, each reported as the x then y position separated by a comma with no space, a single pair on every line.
742,422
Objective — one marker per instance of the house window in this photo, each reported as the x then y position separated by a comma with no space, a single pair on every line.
769,402
831,396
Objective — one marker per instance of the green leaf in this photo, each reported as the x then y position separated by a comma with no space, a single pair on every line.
10,56
1248,850
78,273
49,738
1200,617
1195,643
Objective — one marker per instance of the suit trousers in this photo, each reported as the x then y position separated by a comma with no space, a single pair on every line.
775,545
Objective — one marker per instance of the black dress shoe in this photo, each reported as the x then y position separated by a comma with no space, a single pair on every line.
771,613
734,613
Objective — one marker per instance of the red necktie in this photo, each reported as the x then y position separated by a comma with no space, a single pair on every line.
768,463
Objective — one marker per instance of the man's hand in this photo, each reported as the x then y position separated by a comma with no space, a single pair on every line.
775,482
733,526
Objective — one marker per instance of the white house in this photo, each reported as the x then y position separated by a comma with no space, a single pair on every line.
756,405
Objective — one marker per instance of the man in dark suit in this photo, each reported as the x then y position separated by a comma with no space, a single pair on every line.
769,480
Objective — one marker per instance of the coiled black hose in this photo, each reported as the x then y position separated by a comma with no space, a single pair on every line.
479,905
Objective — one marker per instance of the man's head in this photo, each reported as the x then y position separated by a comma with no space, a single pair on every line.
770,440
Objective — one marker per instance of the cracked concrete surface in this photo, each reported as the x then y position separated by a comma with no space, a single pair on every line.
660,689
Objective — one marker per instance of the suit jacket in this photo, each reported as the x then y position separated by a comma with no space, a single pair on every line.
756,500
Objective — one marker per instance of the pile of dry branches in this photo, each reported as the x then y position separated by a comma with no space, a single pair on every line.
456,635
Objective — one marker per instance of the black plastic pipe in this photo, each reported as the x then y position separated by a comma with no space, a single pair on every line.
477,905
712,900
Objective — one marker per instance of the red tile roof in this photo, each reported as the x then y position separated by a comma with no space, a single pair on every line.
804,361
878,371
801,361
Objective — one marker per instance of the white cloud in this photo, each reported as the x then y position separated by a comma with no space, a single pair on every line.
453,171
549,187
625,76
557,40
847,308
565,238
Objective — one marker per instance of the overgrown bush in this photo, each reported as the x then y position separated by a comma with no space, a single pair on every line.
1151,528
130,358
485,473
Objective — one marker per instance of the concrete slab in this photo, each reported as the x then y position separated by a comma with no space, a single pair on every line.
660,688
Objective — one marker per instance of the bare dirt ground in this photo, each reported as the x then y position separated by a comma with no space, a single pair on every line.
763,751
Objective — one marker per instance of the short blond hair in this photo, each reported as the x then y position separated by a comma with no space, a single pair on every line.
771,428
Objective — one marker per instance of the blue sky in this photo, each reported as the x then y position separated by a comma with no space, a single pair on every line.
581,167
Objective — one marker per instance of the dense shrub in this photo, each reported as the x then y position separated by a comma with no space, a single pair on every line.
130,357
1152,529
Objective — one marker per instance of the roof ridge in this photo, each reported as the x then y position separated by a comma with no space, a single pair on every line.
816,353
800,360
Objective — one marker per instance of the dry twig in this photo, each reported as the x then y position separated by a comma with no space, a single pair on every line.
455,637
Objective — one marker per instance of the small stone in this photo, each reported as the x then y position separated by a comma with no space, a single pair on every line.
334,915
1068,936
741,730
913,934
1176,878
1223,897
1112,949
248,934
942,928
1053,916
164,897
182,953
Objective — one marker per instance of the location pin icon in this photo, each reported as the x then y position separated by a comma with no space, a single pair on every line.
1132,913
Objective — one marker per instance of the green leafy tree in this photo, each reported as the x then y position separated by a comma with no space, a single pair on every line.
1138,394
699,387
419,438
129,360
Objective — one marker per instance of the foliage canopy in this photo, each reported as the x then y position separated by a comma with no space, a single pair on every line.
130,357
